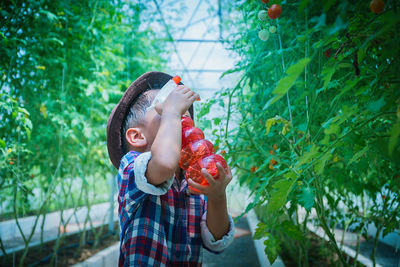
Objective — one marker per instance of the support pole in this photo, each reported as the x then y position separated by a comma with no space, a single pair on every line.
111,215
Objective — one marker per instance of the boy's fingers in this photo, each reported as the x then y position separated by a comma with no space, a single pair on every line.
227,173
182,89
196,186
207,176
195,97
189,94
221,170
193,191
185,90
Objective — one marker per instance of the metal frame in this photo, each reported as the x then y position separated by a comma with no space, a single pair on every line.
199,42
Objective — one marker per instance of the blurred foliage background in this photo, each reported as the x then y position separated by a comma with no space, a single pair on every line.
63,66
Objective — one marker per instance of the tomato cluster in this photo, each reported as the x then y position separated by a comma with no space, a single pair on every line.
272,12
198,153
271,163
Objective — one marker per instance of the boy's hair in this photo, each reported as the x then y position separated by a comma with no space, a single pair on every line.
136,113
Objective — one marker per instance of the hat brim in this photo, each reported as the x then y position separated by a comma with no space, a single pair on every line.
147,81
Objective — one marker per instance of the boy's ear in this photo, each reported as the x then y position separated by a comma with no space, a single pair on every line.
136,138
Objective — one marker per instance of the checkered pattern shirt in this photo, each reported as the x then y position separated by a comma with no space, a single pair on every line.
163,225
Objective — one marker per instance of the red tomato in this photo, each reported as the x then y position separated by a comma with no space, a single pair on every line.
210,164
253,168
265,1
186,122
274,11
273,162
190,135
377,6
195,151
327,52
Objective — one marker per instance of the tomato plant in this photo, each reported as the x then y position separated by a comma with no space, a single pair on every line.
325,85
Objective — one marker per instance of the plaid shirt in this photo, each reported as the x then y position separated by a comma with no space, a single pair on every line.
159,230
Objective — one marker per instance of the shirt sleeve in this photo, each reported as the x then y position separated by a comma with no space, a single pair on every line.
132,183
141,182
209,241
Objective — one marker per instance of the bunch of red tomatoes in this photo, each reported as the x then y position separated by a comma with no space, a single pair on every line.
273,12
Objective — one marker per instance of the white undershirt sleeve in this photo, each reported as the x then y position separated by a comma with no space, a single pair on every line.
209,240
139,168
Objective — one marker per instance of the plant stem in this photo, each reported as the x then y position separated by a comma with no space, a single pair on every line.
344,231
378,231
3,248
357,247
324,225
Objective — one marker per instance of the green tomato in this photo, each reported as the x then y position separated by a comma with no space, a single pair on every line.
272,29
263,35
262,15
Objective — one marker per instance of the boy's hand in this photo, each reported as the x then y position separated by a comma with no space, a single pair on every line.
216,188
179,101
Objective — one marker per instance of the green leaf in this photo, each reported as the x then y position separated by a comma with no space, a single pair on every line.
345,65
28,132
90,89
293,72
261,231
358,155
281,190
394,135
306,157
361,54
105,96
221,103
320,165
272,121
272,248
376,105
347,87
306,197
4,37
320,21
303,4
87,131
328,4
50,16
327,73
2,143
338,26
55,40
292,230
217,121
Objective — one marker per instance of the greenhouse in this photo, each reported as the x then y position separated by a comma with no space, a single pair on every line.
199,133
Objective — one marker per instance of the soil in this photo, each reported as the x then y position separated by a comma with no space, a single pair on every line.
320,253
68,253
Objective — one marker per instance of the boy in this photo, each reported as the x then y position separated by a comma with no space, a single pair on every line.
163,222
